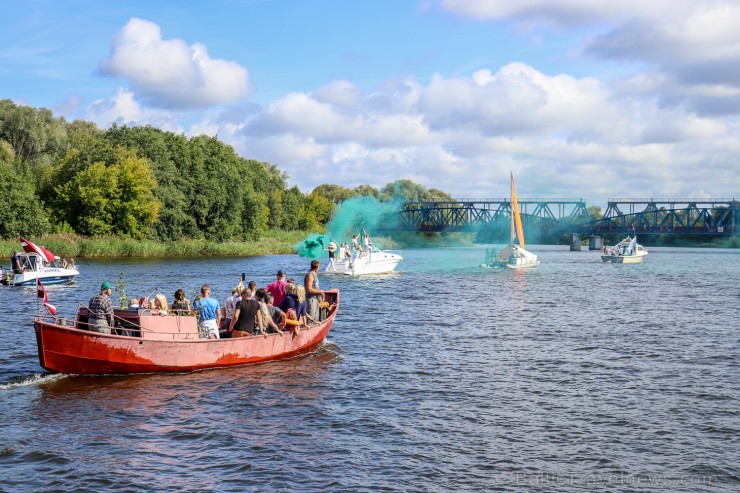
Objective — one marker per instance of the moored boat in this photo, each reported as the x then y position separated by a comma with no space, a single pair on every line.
163,343
627,251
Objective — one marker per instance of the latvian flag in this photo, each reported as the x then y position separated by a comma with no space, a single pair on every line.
41,293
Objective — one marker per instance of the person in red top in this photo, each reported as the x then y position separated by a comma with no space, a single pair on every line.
277,288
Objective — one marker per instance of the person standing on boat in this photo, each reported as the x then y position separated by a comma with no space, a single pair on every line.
209,312
15,263
230,304
100,308
313,293
355,244
277,288
245,316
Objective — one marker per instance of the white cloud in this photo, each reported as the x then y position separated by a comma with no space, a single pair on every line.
170,73
563,13
659,130
123,109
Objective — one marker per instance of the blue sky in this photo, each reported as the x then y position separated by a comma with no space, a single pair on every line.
579,98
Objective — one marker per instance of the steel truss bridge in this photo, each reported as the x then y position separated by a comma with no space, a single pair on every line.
562,216
719,217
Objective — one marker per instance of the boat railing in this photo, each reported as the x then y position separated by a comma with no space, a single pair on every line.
129,328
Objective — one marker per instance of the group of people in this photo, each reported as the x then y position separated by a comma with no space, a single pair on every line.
17,263
279,306
344,251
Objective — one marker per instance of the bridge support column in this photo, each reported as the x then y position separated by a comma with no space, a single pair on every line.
575,242
595,242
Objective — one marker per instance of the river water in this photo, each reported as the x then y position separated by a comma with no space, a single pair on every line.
574,376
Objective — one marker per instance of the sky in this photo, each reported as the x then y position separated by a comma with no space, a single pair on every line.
577,98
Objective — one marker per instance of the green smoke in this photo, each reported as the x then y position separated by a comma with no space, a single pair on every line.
312,246
355,216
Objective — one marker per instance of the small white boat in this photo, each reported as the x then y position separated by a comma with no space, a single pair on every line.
513,256
37,263
627,251
374,261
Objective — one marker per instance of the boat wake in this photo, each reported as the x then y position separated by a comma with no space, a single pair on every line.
35,379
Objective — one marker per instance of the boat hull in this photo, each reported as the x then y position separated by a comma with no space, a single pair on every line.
48,276
375,263
623,259
66,349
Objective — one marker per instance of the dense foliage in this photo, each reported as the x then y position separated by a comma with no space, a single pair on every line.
145,183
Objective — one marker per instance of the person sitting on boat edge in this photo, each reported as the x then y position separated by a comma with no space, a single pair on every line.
100,310
290,300
277,315
314,295
302,309
209,312
160,303
267,325
133,304
181,306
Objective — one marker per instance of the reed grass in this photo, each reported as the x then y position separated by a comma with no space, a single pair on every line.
74,246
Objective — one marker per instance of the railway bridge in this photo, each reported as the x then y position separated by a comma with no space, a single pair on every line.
557,216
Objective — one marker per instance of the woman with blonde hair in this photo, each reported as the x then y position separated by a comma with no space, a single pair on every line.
302,310
160,303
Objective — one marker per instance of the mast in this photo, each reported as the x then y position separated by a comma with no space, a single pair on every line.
512,206
517,220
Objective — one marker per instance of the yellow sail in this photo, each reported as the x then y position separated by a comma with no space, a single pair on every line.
517,217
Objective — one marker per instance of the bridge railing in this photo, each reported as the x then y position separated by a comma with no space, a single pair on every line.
663,200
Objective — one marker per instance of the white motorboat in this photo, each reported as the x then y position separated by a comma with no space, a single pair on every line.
37,263
513,256
374,261
627,251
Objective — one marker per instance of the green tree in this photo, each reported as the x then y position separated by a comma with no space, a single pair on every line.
334,193
21,212
367,191
111,199
404,189
34,134
293,201
594,212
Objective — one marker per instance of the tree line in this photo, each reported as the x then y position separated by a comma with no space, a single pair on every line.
141,182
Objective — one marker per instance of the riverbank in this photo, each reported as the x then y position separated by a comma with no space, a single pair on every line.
74,246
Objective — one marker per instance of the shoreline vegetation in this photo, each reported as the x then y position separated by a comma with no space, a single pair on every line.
274,242
75,246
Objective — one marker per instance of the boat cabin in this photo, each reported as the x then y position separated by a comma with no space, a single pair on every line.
147,324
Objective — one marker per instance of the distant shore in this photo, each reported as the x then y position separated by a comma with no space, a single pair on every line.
74,246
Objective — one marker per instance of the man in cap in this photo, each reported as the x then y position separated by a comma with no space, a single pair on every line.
277,288
100,308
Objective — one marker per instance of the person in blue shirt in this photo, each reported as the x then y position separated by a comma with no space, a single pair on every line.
209,314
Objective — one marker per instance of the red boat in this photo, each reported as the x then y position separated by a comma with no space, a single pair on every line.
163,343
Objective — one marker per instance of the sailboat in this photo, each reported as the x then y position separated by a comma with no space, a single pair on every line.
513,256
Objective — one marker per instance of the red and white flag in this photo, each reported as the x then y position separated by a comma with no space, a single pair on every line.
41,293
30,247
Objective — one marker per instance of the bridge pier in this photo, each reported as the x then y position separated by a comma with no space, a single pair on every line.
575,242
595,242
